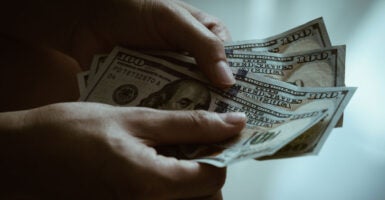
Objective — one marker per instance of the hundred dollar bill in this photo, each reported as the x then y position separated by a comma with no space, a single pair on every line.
334,65
326,63
315,68
309,36
254,142
290,97
134,79
127,73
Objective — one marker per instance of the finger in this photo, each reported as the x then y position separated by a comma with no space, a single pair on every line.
211,22
167,178
179,28
182,127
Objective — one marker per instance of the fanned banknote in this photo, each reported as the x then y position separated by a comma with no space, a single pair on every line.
313,68
134,79
327,65
284,119
309,36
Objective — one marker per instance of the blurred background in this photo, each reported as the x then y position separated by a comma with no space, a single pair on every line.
351,164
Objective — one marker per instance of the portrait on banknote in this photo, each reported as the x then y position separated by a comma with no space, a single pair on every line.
182,94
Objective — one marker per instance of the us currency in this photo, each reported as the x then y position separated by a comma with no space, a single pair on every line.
313,139
166,79
330,61
254,142
133,79
291,98
309,36
314,68
322,68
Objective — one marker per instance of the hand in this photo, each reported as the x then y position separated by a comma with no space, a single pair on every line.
96,151
83,28
170,24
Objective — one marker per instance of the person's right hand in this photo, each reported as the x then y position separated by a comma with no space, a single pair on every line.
45,42
97,151
82,28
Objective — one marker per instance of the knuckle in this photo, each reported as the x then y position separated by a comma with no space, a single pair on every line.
199,118
215,41
214,48
216,22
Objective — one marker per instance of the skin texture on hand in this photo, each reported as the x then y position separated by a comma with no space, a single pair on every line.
84,150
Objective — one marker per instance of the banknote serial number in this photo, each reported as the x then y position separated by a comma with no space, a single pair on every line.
131,74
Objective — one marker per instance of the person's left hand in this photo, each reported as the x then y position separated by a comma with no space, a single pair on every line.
96,151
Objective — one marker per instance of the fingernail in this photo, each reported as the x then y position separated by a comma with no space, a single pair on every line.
224,73
233,117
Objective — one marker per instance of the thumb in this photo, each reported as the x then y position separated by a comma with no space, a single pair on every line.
183,127
179,28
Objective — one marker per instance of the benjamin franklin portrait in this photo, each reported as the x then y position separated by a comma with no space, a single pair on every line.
179,95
